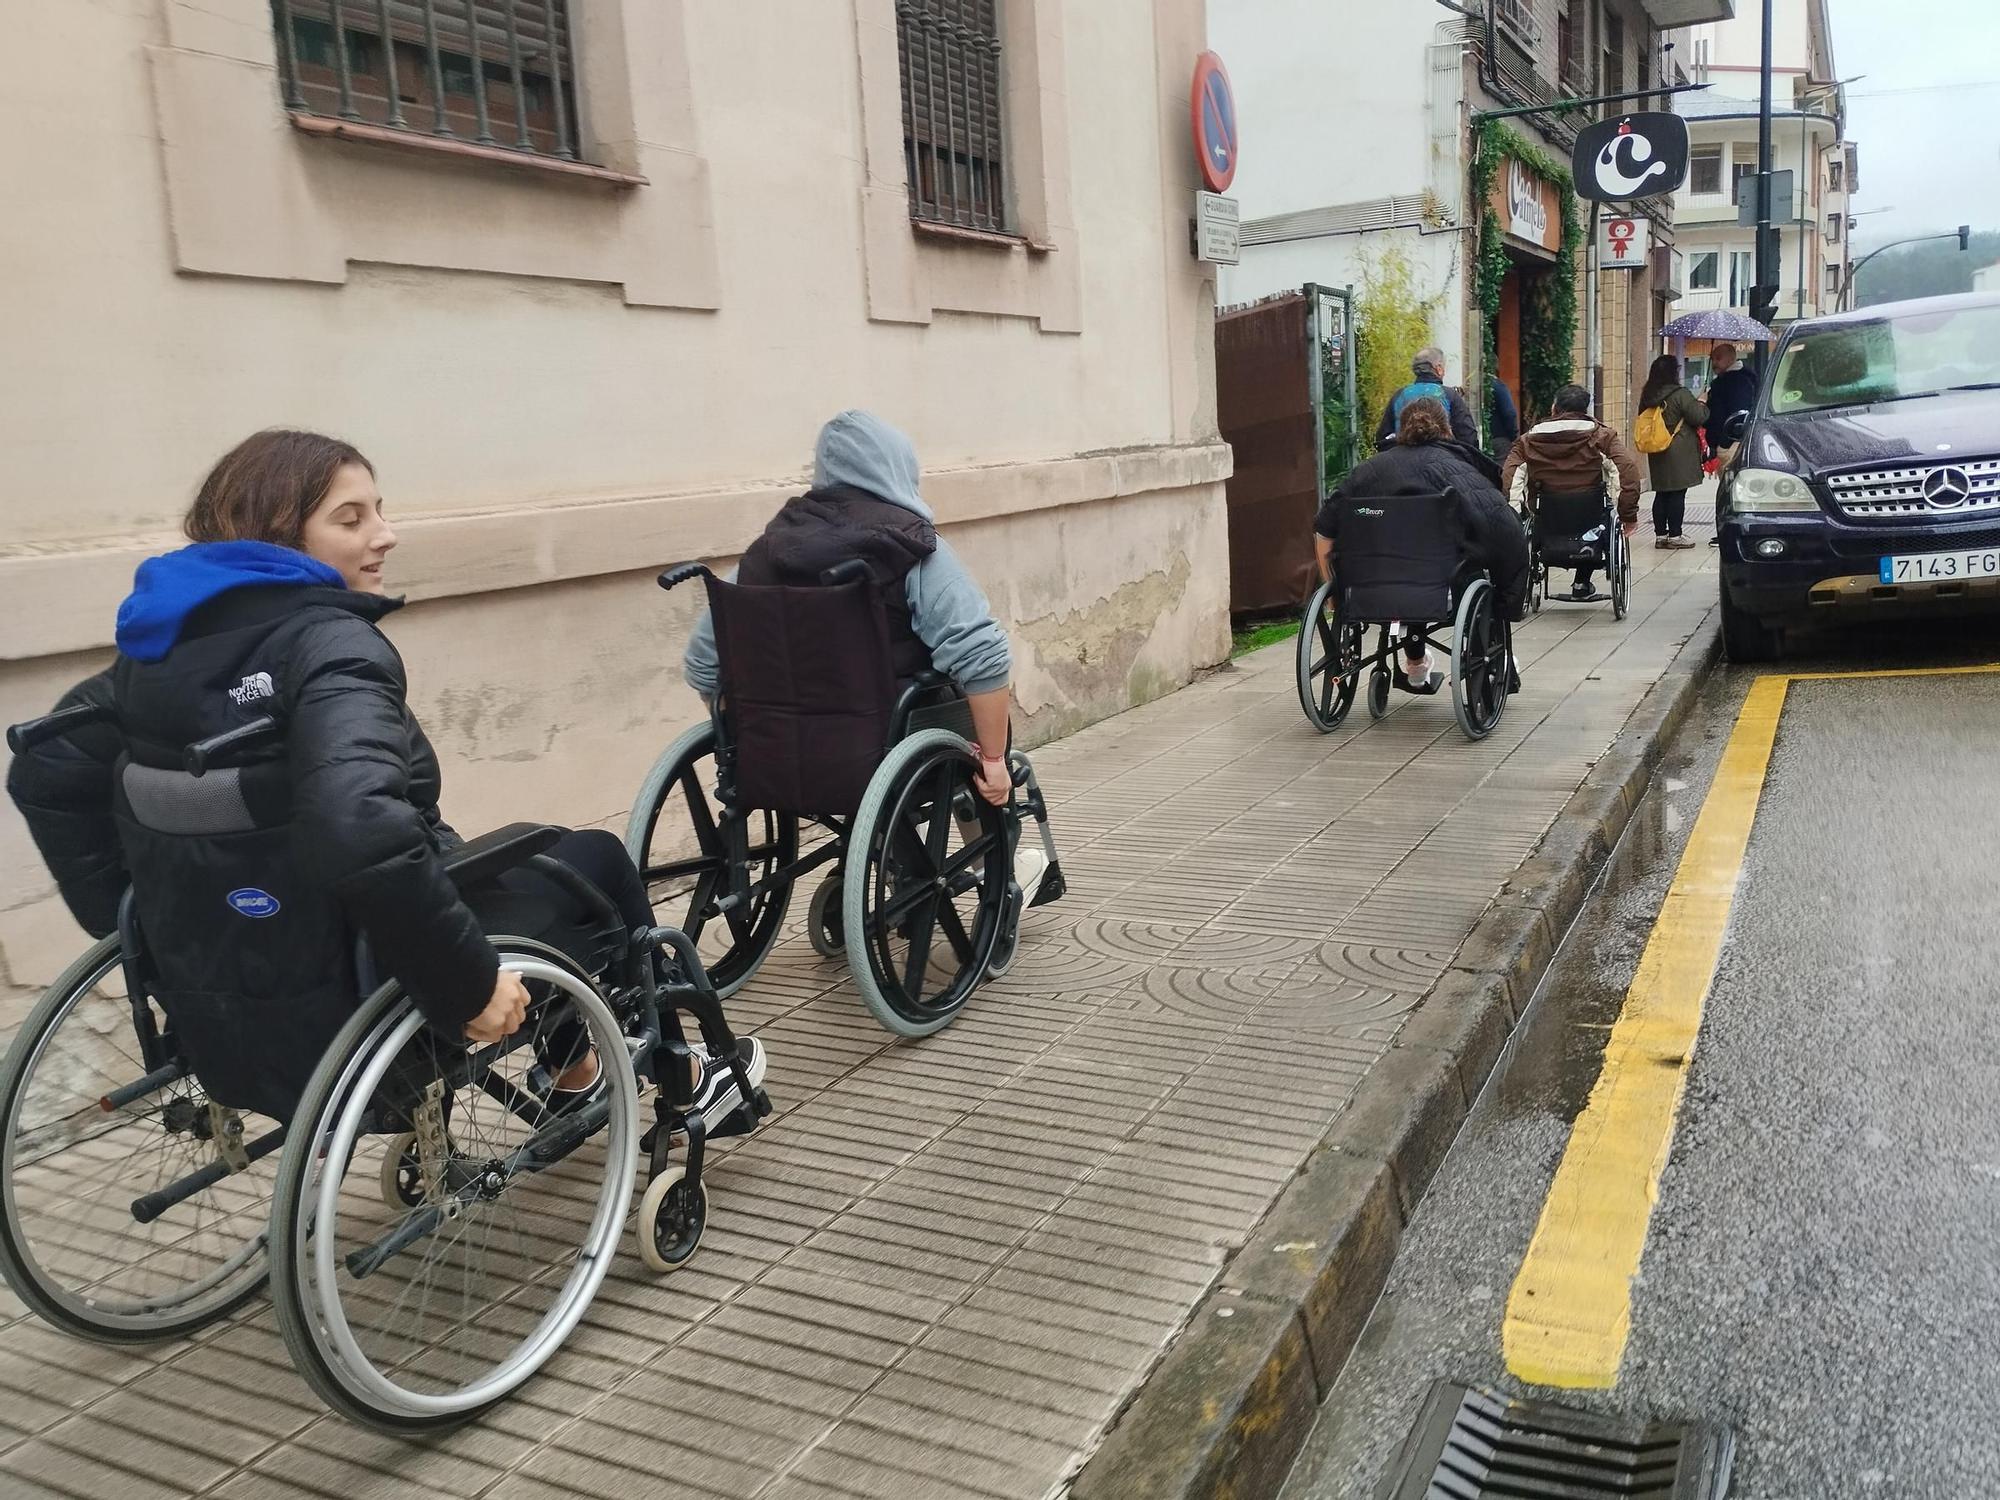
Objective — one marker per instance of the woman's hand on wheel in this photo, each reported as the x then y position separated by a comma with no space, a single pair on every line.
504,1011
994,780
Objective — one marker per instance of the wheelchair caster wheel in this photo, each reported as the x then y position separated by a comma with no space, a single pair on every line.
823,920
1378,693
1009,941
671,1219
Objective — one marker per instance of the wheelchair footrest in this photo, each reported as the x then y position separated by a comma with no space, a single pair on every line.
1053,887
742,1121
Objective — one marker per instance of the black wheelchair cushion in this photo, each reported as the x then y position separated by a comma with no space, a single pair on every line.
808,691
1398,556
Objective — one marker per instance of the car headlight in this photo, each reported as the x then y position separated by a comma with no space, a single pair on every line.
1763,490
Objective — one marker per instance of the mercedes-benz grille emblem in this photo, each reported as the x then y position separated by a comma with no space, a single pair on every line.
1947,489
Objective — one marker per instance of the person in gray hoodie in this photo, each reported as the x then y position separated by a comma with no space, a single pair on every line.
864,504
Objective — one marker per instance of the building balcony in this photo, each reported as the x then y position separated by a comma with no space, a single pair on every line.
1668,14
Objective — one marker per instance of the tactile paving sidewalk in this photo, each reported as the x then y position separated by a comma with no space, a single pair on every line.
943,1266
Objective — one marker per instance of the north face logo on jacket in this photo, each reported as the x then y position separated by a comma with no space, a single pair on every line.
250,689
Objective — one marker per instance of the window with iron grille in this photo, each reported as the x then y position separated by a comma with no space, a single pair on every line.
954,139
492,72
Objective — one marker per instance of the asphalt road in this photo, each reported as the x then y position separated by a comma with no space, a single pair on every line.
1822,1271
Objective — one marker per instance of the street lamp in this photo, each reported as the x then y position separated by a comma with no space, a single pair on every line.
1805,98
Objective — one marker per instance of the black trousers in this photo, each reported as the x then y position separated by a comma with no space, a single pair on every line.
527,903
1669,506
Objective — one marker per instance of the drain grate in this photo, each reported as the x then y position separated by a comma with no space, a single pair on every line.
1475,1445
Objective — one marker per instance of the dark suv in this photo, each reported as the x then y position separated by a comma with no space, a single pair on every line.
1867,478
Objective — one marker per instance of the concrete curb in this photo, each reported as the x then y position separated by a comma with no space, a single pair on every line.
1226,1410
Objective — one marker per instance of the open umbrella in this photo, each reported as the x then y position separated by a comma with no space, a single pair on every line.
1718,324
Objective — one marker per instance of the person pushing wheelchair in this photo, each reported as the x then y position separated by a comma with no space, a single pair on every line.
1427,460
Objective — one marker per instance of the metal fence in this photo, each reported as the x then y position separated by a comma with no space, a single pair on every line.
494,72
953,140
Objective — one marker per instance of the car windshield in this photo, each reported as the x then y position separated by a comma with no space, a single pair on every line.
1917,354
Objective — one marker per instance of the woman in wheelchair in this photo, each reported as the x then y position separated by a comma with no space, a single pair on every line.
262,639
1571,453
1427,461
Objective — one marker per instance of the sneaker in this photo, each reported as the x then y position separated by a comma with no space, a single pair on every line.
1417,670
1030,865
715,1092
1582,590
1675,543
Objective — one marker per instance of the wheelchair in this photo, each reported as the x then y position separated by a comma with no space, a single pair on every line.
432,1220
1575,529
812,733
1399,566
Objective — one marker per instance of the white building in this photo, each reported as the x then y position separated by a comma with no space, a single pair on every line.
1986,279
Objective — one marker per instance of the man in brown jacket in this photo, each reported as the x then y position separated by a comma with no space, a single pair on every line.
1569,452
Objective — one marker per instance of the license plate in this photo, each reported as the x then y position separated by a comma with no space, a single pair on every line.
1942,567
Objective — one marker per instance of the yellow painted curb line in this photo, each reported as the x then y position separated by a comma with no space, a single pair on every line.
1570,1310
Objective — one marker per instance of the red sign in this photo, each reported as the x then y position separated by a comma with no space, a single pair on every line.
1213,108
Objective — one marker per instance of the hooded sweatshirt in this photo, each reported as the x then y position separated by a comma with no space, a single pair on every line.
859,451
1567,454
170,587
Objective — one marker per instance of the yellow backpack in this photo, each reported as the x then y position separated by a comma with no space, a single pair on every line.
1650,435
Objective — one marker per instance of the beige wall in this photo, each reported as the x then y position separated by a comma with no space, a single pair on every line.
567,383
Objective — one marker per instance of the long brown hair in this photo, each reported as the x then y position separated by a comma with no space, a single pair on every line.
1424,420
1663,377
263,489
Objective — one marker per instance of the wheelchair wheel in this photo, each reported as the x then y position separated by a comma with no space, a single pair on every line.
675,837
671,1219
927,879
87,1134
1328,662
1378,693
1621,570
823,928
415,1314
1478,663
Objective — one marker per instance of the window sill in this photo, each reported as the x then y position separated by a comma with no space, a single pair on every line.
405,140
958,234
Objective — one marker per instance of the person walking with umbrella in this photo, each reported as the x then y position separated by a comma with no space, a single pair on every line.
1667,432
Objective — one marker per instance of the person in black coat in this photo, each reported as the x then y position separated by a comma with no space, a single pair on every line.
275,610
1427,460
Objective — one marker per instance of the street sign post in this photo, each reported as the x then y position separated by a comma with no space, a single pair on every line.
1212,106
1218,235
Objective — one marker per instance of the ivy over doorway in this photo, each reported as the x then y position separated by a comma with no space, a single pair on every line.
1548,319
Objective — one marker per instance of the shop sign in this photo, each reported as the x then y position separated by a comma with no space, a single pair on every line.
1526,207
1635,156
1623,242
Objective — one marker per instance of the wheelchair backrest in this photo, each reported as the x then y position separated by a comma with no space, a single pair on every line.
1570,513
808,691
1398,556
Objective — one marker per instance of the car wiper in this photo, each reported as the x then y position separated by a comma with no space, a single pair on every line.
1977,385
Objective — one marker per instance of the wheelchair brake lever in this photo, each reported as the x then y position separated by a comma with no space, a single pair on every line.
680,573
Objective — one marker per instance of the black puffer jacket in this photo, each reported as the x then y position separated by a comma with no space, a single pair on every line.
1500,545
254,924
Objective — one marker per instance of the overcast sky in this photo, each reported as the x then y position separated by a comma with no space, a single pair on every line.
1929,154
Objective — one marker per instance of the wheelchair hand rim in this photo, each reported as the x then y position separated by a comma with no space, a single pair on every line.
352,1097
158,1315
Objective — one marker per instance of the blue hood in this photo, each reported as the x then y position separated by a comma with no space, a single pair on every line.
859,449
170,587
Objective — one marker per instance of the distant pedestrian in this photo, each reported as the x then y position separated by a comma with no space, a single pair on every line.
1428,368
1503,416
1731,390
1568,453
1668,433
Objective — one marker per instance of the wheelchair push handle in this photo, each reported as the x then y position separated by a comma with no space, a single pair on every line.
198,756
681,573
22,738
